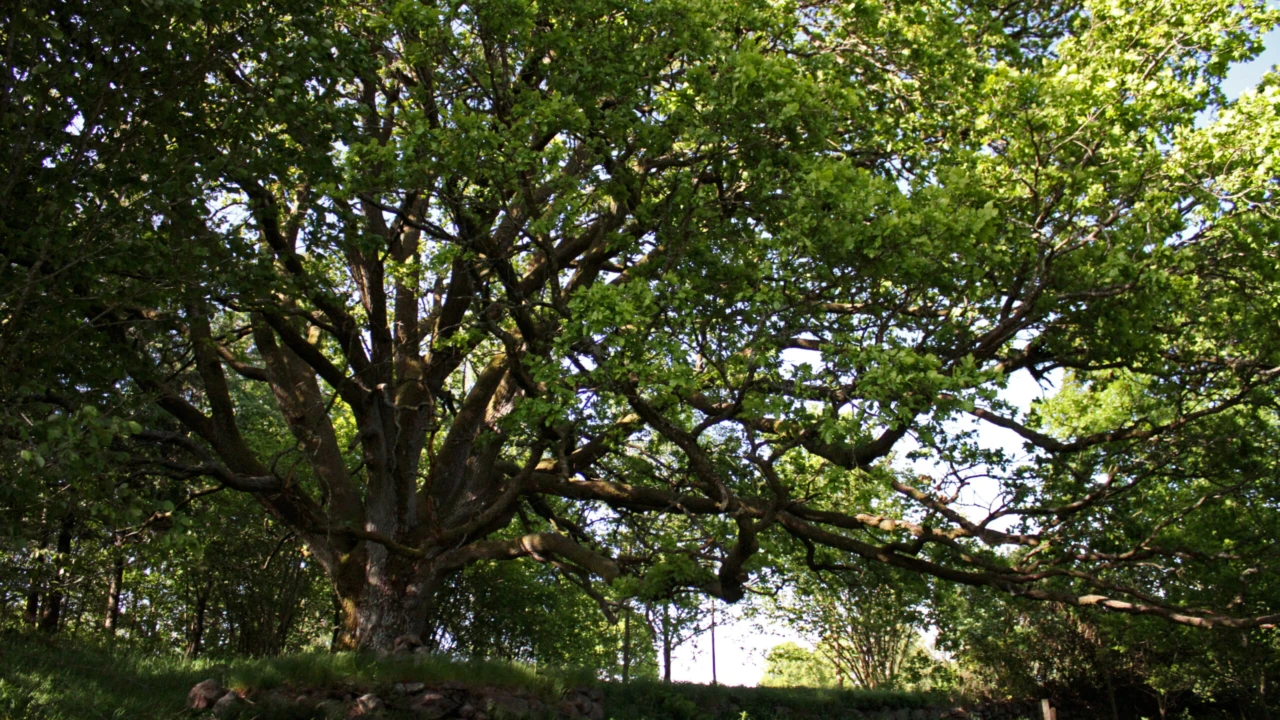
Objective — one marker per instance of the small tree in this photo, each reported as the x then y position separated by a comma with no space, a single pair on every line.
790,665
866,624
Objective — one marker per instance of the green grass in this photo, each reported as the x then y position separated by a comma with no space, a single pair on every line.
45,680
325,669
50,679
653,700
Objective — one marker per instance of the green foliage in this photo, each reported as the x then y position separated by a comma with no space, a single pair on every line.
1004,648
529,613
789,665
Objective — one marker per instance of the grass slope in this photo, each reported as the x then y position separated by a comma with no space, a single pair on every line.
654,700
48,679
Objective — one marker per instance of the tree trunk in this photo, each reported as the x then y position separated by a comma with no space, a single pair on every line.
338,623
197,623
1111,695
32,613
35,580
51,613
666,645
114,586
389,600
1262,694
714,679
626,645
74,618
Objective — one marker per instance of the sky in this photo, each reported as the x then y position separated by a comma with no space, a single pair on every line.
1248,74
742,644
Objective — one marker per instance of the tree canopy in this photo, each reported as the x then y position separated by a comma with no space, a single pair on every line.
655,291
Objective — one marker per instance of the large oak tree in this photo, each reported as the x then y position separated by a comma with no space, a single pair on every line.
653,288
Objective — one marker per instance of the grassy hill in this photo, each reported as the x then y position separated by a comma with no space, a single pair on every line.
43,679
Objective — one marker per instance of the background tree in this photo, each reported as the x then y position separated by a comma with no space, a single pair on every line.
1016,648
531,613
790,665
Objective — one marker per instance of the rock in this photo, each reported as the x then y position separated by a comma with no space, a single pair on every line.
409,688
275,700
509,706
582,701
369,704
406,644
205,694
467,711
433,705
331,709
453,686
227,705
567,710
591,703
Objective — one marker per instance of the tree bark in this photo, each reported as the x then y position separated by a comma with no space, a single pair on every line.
1111,696
338,624
626,645
1262,694
51,613
32,613
666,644
714,679
114,586
35,579
196,640
388,598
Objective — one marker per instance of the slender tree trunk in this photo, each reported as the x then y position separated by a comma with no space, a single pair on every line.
197,624
77,617
666,644
32,613
114,585
1111,696
51,613
713,644
1262,694
283,628
626,645
34,581
131,615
